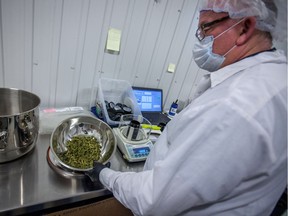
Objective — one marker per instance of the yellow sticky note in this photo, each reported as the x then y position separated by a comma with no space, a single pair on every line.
113,40
171,68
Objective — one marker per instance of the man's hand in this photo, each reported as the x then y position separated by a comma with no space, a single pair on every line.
97,168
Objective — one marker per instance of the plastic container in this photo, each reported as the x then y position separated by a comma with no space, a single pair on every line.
50,118
116,91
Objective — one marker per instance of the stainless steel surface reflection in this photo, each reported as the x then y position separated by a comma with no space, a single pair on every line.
15,178
28,184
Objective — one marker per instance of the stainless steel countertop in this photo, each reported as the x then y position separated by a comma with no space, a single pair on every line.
28,184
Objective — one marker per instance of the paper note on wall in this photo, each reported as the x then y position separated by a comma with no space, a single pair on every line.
171,68
113,40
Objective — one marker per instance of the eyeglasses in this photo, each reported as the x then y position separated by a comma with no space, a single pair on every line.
200,33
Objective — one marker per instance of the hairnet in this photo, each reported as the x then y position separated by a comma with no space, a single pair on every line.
265,11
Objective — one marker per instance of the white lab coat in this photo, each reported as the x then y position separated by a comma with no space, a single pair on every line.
224,154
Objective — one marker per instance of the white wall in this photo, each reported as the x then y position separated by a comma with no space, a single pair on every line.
280,32
56,48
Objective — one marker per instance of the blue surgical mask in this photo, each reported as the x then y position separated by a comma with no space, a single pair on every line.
204,56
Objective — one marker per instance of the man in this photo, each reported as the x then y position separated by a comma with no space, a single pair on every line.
225,153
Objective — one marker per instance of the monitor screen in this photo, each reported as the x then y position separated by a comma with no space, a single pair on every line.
149,100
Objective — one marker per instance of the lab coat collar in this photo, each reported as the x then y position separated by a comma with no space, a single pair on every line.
224,73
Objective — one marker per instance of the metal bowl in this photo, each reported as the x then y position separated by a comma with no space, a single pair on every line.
83,125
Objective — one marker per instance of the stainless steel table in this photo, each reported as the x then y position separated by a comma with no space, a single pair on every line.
28,184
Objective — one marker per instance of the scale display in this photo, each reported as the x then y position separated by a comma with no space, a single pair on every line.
136,153
141,150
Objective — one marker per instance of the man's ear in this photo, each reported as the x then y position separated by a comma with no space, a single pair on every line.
246,31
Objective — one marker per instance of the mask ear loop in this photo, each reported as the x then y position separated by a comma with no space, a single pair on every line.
229,28
230,50
225,32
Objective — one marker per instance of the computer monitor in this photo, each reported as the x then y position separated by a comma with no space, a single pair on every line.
149,99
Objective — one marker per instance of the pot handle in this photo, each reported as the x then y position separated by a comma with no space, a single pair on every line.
3,140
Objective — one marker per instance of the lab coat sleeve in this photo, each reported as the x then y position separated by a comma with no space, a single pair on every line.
133,190
211,150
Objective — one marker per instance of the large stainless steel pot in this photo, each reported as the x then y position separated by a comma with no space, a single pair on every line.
19,123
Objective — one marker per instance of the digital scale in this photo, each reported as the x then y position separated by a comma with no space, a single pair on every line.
133,140
133,151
